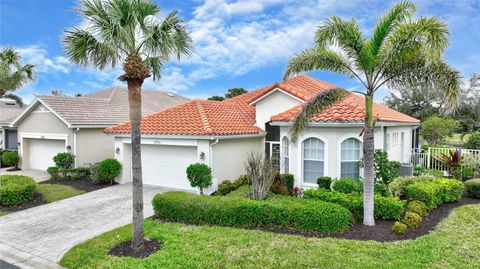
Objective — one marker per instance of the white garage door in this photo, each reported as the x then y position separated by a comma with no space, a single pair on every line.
166,165
42,151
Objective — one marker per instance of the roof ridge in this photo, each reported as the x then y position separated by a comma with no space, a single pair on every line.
114,90
203,116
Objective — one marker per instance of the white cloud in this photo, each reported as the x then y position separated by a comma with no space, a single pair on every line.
43,63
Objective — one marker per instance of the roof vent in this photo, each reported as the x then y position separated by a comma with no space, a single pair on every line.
10,104
170,94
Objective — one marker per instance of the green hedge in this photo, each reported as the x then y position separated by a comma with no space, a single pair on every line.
16,189
398,185
435,192
70,173
278,211
387,208
347,185
472,187
228,186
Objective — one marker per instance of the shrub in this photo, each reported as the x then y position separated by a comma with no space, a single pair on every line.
473,141
289,181
324,182
11,158
54,172
279,211
279,188
16,189
385,170
199,175
347,185
387,208
64,161
412,220
262,174
398,185
435,192
421,171
78,173
228,186
418,207
399,227
473,188
382,189
450,190
108,170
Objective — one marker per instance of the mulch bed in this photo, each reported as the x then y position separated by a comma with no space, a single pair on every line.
37,200
86,185
13,169
125,250
381,232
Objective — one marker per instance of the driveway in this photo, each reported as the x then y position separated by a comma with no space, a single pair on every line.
50,230
37,175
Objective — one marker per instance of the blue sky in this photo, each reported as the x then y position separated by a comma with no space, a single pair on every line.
237,43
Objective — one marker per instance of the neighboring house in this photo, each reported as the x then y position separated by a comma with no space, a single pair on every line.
53,124
9,110
222,134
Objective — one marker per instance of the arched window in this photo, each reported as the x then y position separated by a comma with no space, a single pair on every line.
313,159
350,158
286,160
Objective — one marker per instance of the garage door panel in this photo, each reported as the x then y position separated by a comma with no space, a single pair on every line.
166,165
42,151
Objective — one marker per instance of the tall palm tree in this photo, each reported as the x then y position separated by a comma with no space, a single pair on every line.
401,51
128,32
13,74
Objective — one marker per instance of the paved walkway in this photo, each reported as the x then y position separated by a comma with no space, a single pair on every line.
38,175
50,230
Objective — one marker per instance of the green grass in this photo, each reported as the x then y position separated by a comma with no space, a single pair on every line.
455,244
55,192
242,191
3,213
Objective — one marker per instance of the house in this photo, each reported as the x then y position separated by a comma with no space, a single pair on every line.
53,124
9,110
222,134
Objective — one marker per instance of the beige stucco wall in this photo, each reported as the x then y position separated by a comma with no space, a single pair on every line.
230,155
93,146
273,104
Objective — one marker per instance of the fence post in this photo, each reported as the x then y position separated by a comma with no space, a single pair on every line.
428,158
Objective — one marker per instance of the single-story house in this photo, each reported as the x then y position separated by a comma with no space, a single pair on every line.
222,134
53,124
9,110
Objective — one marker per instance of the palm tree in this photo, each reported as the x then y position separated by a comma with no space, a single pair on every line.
13,74
128,32
401,51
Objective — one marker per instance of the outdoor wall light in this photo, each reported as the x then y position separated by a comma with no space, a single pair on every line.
117,150
202,156
18,143
69,147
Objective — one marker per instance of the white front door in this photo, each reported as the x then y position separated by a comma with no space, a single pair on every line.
41,152
166,166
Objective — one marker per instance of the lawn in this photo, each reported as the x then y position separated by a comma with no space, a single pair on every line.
455,244
55,192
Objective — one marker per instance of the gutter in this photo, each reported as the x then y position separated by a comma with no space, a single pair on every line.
204,137
347,124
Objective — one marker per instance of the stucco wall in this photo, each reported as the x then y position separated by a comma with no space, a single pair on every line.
273,104
230,155
396,150
93,146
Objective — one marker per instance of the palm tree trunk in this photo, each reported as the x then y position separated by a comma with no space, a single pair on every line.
135,103
369,172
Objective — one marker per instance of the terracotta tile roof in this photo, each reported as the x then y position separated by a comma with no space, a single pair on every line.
197,117
9,110
109,106
350,109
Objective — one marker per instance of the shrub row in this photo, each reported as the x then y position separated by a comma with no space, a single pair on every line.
472,187
228,186
387,208
70,173
435,192
16,189
278,211
398,185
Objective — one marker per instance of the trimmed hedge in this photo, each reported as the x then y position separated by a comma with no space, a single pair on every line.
278,211
387,208
399,227
228,186
16,189
398,185
435,192
70,173
472,187
324,182
347,185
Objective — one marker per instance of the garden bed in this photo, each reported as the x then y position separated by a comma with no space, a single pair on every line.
81,184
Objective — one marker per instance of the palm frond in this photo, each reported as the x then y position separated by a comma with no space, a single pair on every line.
155,64
319,103
344,33
14,97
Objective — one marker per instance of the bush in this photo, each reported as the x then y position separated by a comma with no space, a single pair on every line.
399,227
473,141
199,175
382,189
418,207
412,220
54,172
473,188
387,208
64,160
385,170
16,190
279,211
347,185
108,170
324,182
279,188
450,190
421,171
78,173
398,185
289,181
11,158
435,192
228,186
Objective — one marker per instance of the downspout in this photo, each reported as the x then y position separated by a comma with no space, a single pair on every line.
75,145
210,156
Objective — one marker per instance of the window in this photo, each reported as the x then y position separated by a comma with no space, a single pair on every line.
395,138
313,159
350,158
286,164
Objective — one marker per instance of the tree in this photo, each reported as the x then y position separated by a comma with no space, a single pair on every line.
13,74
468,113
216,98
436,129
235,92
129,32
199,175
473,142
402,51
56,92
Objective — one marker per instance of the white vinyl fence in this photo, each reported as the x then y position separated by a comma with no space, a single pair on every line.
428,159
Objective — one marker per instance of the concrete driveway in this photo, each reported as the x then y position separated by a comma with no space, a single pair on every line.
37,175
50,230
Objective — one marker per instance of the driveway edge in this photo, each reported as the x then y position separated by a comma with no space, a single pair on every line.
25,260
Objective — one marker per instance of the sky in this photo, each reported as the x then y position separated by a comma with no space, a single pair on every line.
236,43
